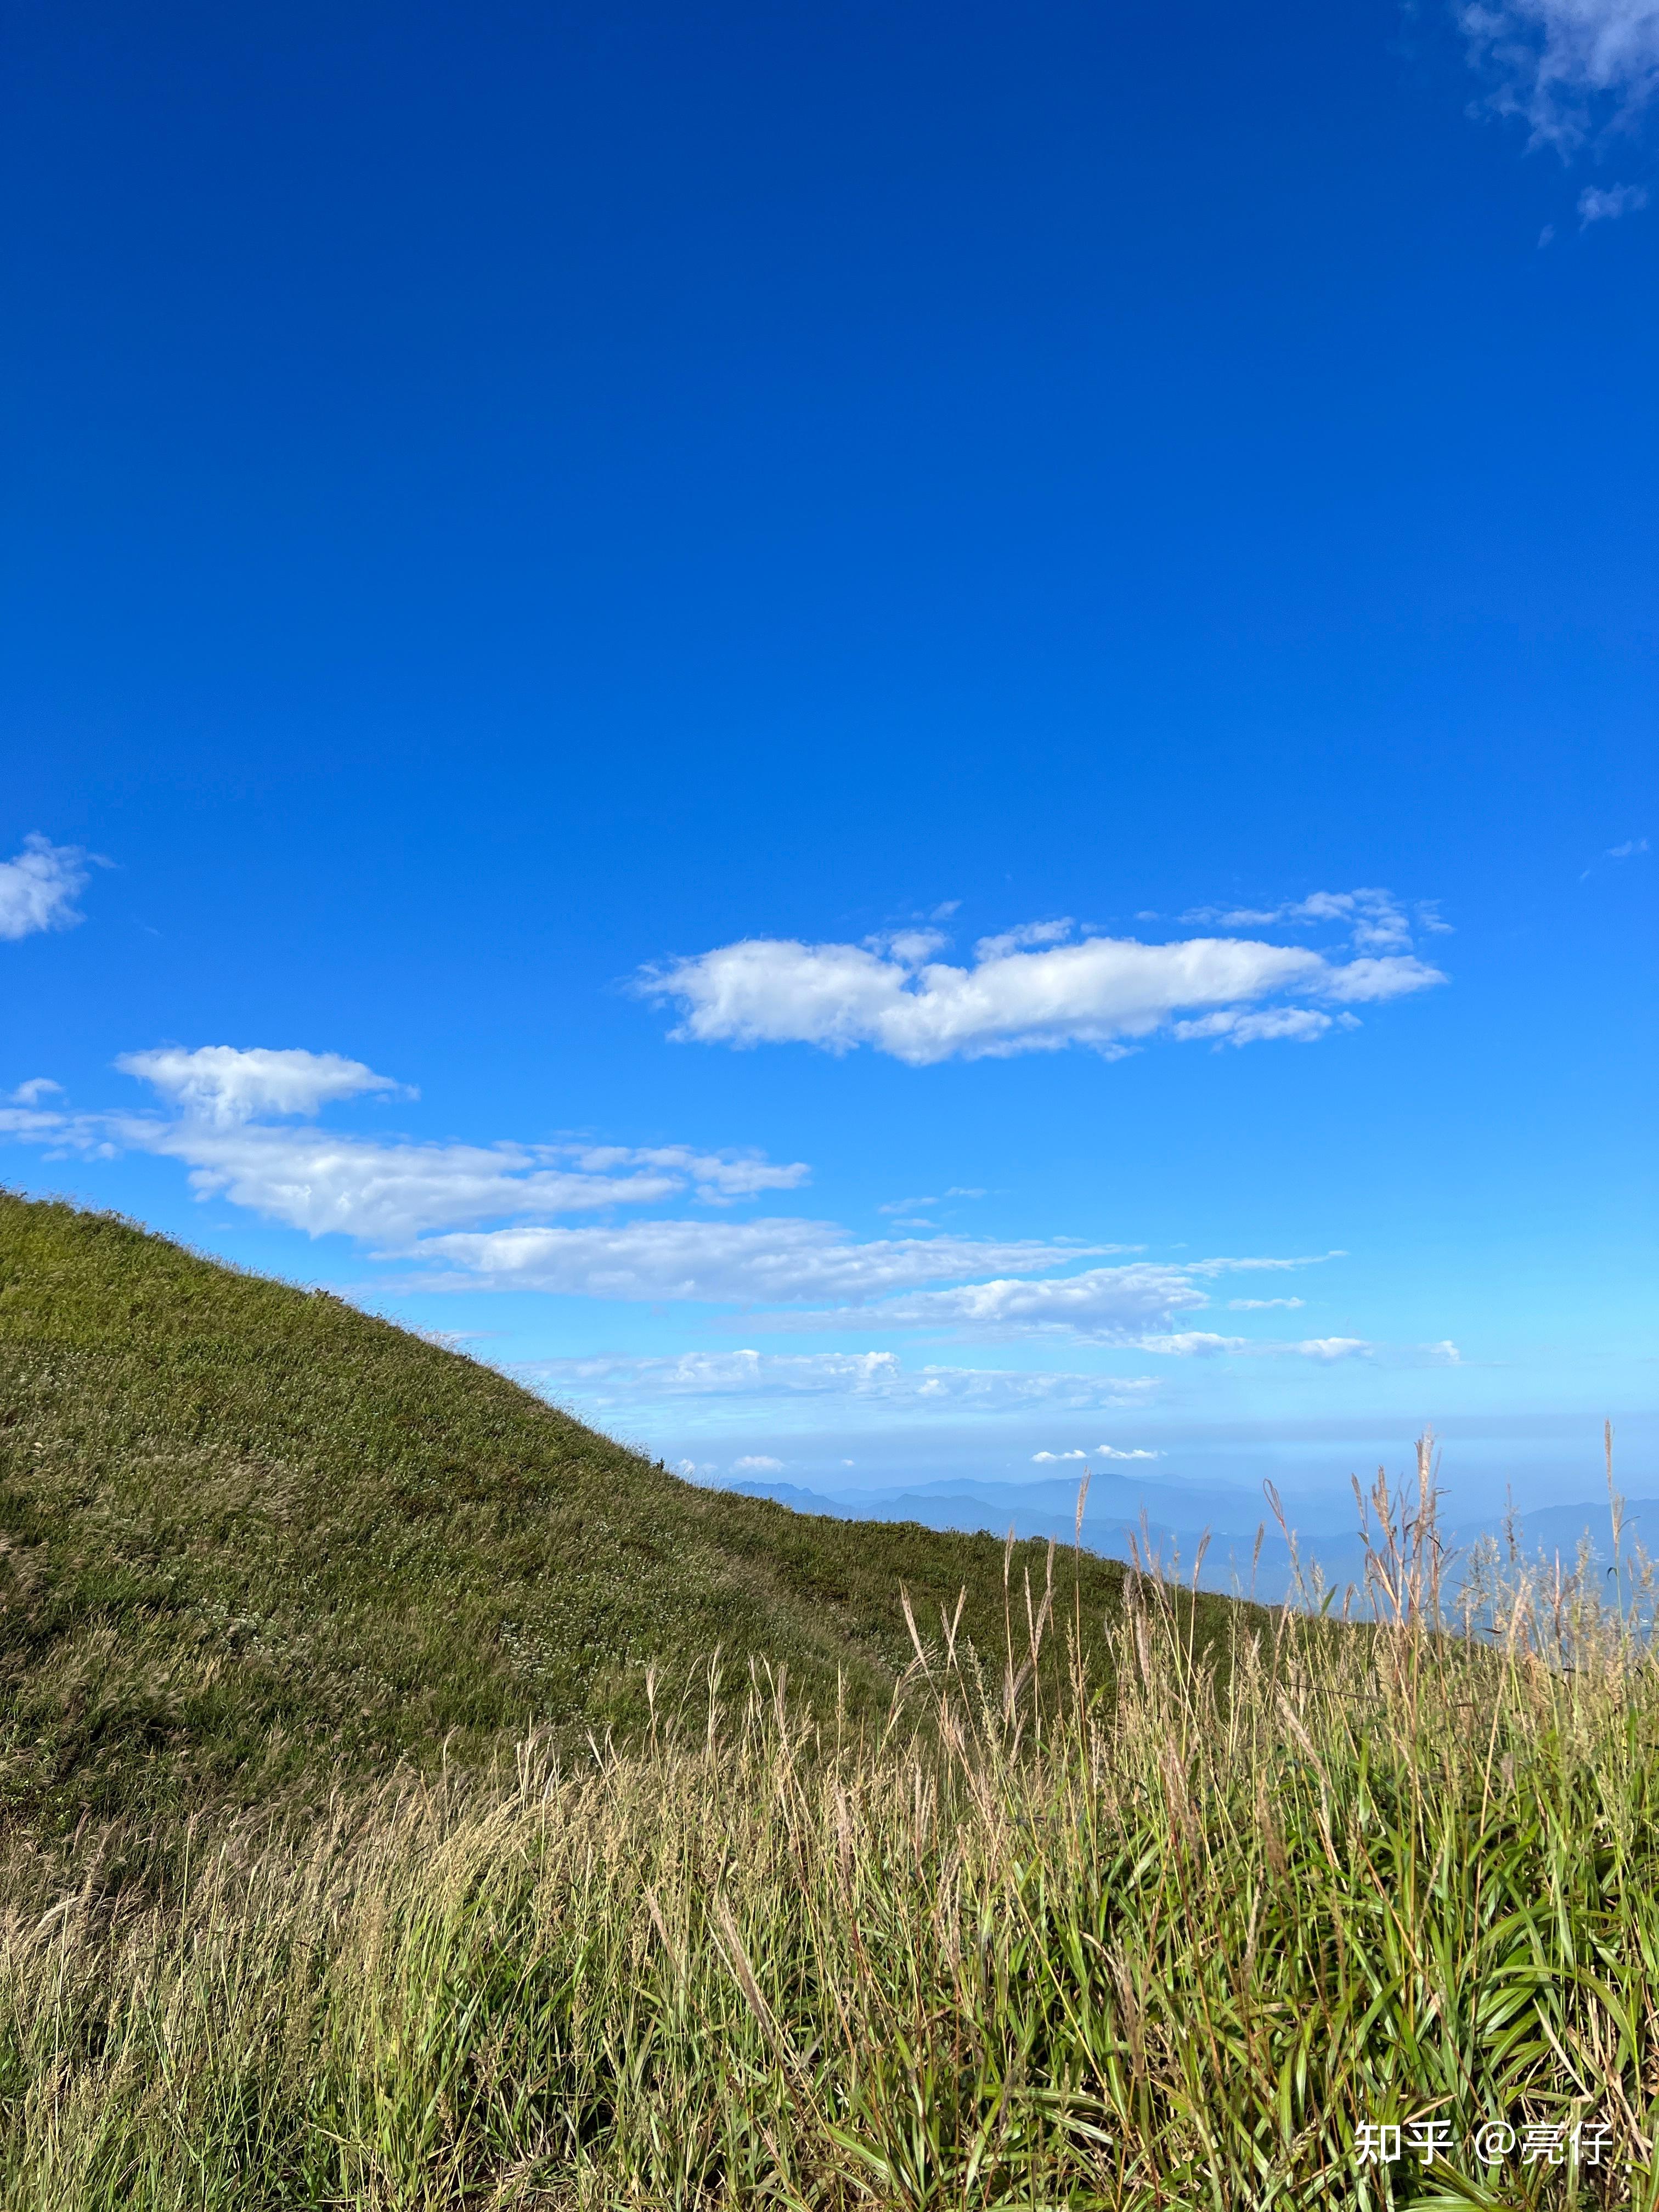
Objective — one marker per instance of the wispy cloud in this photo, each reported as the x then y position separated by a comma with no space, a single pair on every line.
1204,1343
1137,1306
388,1191
1567,68
1375,920
907,1212
1028,990
1631,849
487,1216
1105,1306
39,886
35,1092
1596,205
874,1378
772,1262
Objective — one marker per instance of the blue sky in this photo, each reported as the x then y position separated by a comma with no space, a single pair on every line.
888,739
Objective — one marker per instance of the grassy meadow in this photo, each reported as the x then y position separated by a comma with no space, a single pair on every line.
1080,1894
251,1537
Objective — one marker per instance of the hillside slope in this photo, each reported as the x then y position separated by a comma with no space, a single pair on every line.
248,1533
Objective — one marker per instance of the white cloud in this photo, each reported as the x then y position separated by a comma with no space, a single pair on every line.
1102,1305
1196,1344
1103,992
37,1088
798,1265
1100,1451
1445,1353
779,1261
1283,1025
757,1463
391,1192
426,1204
1565,66
717,1177
1200,1344
1022,938
874,1378
1260,1305
1596,205
1631,849
1131,1306
39,886
909,1212
226,1085
1375,920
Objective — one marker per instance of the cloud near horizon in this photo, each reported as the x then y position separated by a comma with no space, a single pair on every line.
1100,1451
875,1378
1041,987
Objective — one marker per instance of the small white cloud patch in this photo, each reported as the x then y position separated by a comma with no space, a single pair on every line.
227,1084
1100,1451
39,886
1597,206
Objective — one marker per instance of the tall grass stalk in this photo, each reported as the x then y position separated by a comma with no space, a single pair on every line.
1173,1936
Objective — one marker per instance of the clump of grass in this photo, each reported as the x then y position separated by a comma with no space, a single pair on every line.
1172,1934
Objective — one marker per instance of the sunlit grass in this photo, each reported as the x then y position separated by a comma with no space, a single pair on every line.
251,1537
1167,1934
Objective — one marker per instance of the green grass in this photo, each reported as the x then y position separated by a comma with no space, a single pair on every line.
1125,1906
248,1534
1163,1946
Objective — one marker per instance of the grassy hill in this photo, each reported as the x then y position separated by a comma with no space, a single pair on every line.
248,1533
1191,1943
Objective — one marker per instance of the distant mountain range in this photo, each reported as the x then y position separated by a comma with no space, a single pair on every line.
1171,1521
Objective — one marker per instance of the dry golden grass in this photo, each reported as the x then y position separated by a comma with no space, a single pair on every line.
1169,1937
